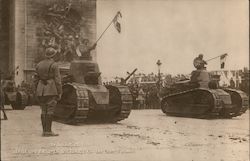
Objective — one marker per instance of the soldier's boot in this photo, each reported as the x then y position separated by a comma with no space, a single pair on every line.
43,120
49,119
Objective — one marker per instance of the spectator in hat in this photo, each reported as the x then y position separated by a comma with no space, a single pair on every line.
84,48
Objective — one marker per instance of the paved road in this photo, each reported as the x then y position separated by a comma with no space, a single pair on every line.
147,135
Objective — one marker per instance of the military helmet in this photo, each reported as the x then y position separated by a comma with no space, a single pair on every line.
50,52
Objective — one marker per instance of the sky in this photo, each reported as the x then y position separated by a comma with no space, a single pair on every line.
173,31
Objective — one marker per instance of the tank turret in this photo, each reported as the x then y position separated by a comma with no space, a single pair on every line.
85,71
202,77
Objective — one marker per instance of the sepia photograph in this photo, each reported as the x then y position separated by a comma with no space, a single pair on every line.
124,80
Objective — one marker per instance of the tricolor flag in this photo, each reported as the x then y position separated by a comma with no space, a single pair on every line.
116,23
223,60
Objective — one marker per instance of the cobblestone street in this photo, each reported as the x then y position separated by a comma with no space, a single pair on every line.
145,135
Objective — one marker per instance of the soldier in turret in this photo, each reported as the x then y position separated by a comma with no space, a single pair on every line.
199,63
84,48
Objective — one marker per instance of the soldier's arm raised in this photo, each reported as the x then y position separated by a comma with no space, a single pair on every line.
92,47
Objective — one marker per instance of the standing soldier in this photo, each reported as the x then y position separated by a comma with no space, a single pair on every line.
199,63
48,89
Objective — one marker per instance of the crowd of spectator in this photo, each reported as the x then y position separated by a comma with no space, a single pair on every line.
146,88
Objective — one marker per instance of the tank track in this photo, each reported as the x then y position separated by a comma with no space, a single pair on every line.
204,108
240,101
218,111
79,109
82,105
74,105
126,103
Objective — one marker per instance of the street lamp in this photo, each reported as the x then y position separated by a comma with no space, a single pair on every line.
158,63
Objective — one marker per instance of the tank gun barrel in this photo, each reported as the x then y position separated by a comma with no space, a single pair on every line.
130,74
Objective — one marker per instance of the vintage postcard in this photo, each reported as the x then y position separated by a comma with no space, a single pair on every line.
124,80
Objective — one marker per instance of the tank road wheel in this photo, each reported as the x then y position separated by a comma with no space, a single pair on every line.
20,102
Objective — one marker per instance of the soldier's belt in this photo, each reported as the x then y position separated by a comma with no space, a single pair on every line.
44,81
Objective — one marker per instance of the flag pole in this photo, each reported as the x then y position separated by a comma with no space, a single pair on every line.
106,29
212,58
215,57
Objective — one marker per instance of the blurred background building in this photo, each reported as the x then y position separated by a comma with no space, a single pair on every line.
27,26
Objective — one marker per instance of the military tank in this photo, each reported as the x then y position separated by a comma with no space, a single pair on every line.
85,99
18,99
201,97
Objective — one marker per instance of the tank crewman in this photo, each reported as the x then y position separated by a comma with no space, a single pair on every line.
199,63
48,89
84,49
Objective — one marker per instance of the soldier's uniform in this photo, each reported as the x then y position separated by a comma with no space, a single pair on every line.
84,49
199,63
48,89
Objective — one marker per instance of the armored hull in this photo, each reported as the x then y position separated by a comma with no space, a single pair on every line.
85,99
205,100
83,103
